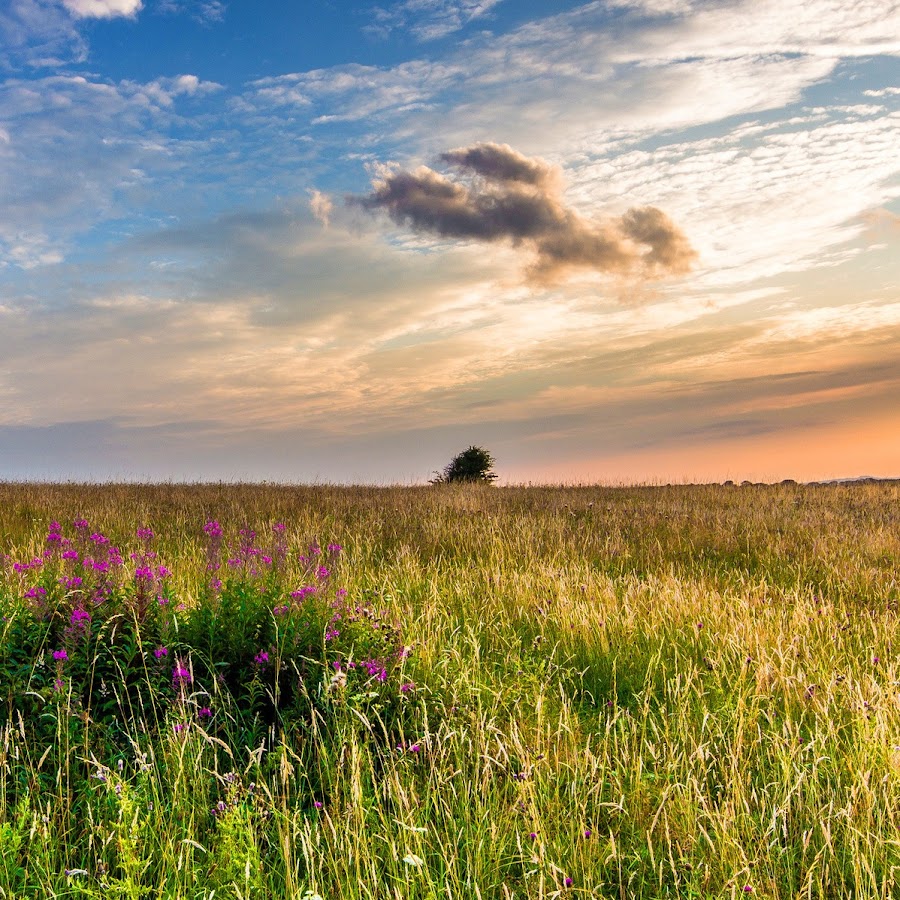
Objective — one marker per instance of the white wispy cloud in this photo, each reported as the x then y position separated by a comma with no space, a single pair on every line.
428,20
81,151
38,33
102,9
204,11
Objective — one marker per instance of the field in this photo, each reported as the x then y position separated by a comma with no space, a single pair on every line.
462,692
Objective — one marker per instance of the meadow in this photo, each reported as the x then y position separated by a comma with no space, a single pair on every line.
264,691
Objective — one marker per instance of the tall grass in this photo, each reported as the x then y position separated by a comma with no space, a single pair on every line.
626,693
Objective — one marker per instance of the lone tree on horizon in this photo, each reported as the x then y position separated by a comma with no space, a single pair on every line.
474,464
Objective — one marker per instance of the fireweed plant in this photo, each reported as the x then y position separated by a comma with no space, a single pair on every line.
535,693
97,640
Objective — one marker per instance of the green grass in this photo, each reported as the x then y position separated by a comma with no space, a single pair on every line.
652,692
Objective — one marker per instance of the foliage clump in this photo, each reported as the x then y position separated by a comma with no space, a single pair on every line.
100,638
472,465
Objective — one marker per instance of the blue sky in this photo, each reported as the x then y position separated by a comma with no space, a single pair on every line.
281,240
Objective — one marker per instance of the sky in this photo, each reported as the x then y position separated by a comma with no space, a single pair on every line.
329,241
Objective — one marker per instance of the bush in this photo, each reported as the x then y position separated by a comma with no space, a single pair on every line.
474,464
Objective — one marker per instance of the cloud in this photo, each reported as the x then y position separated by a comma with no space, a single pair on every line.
321,206
102,9
506,196
203,11
163,91
428,20
38,33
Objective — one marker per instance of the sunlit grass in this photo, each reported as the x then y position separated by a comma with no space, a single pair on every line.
634,692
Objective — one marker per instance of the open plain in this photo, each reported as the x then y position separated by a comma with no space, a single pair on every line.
449,691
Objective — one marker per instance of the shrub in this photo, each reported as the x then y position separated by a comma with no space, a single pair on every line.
473,464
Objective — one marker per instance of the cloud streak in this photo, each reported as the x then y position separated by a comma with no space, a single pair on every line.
502,195
102,9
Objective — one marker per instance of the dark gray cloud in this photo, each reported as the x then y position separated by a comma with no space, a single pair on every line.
502,195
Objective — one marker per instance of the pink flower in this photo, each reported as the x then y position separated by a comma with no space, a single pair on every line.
181,675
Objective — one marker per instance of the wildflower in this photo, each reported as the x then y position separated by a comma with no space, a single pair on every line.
181,675
279,527
261,658
70,554
79,617
145,534
747,889
180,726
533,835
163,572
35,593
415,748
331,634
60,655
335,548
204,713
318,804
213,529
587,832
568,881
160,652
406,687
